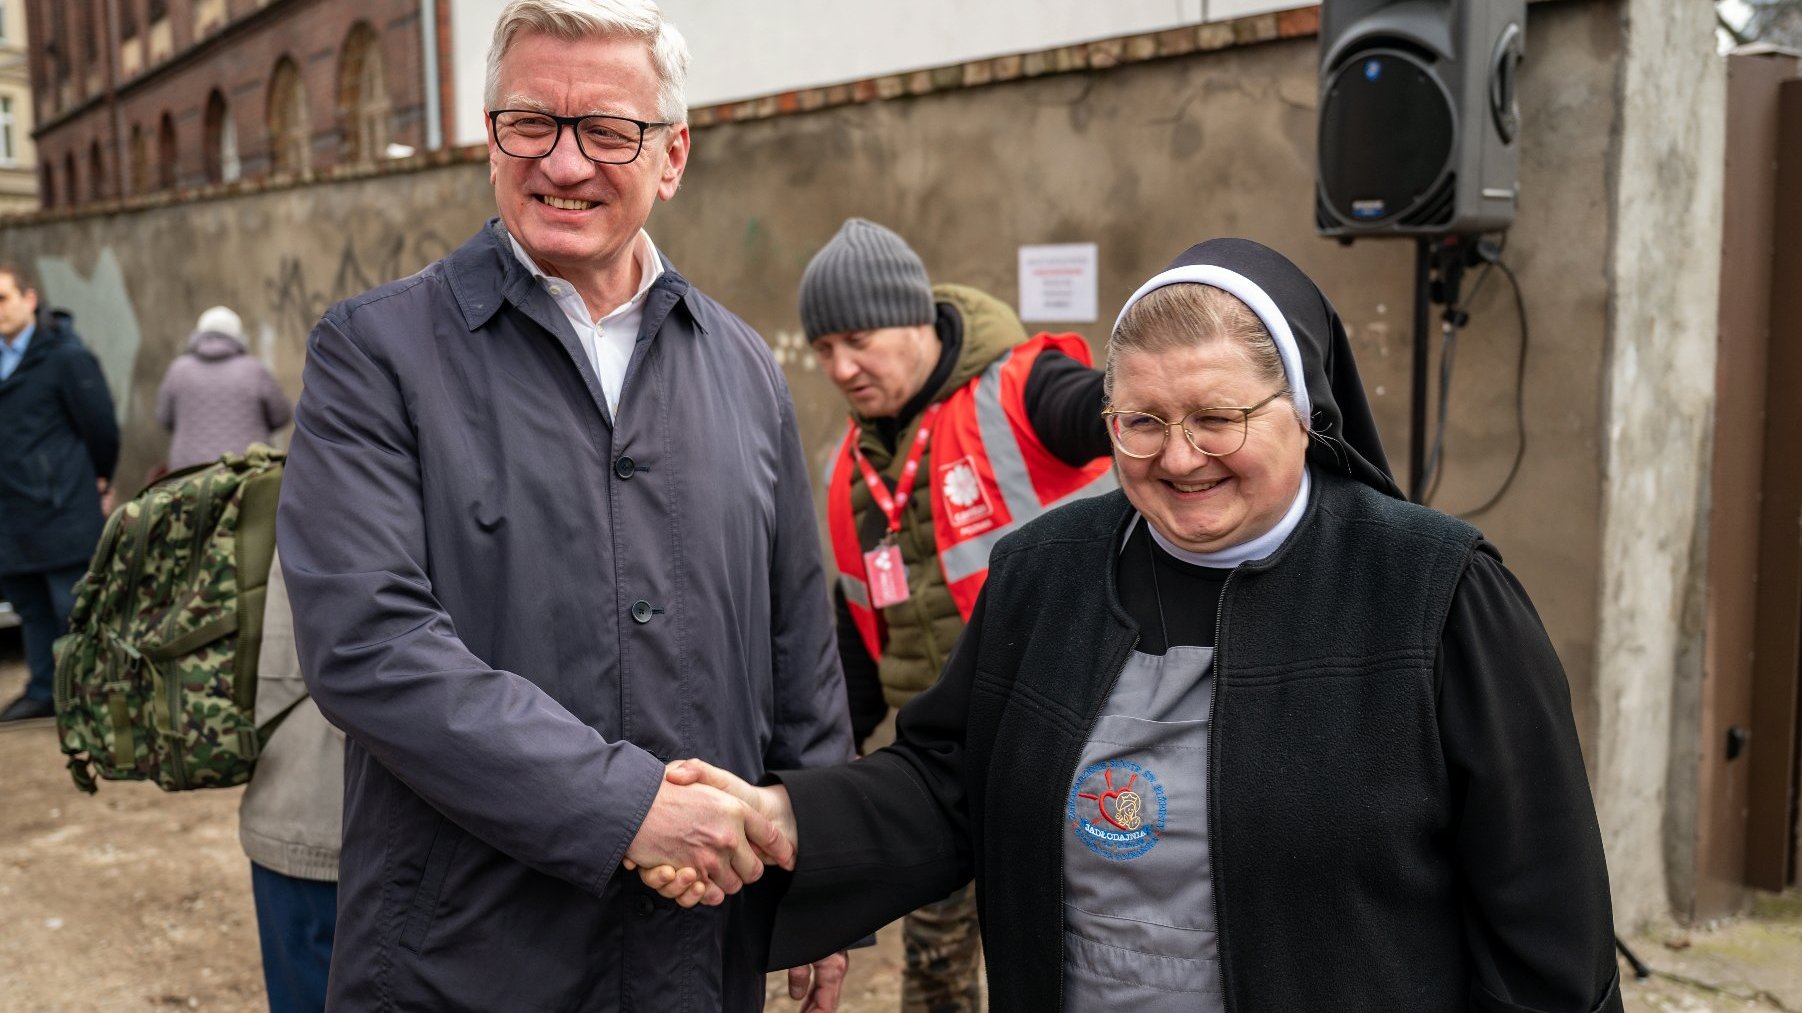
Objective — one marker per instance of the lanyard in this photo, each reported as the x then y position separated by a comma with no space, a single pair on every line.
891,506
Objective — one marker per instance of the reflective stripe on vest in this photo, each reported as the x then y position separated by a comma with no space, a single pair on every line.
857,590
1008,463
974,426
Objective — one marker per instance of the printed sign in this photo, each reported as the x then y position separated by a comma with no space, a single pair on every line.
1058,283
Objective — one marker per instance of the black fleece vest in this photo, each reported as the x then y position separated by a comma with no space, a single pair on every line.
1329,799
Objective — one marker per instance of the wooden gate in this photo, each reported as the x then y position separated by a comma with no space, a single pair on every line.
1746,826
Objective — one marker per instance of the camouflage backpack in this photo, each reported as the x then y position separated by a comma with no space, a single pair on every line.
156,679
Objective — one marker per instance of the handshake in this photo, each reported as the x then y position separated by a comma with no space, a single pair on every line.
709,833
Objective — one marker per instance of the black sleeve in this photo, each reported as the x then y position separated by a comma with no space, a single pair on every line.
881,836
90,406
1539,923
1064,402
863,685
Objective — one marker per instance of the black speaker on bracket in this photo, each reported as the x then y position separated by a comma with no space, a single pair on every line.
1419,126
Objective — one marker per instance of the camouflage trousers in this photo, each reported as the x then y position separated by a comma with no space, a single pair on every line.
944,957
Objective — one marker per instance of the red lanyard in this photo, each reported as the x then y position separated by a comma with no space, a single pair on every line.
891,506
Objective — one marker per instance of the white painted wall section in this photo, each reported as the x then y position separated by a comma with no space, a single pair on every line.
744,50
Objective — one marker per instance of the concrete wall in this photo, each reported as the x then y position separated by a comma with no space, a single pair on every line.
1664,279
1144,159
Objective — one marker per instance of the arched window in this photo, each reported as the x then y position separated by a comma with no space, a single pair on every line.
140,160
96,172
221,152
71,188
289,134
362,96
165,153
46,186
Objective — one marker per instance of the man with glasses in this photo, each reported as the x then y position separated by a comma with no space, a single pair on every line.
546,524
962,428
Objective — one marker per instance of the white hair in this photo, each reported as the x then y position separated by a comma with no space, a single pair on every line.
580,19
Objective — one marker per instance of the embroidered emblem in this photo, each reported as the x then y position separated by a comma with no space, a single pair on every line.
1109,818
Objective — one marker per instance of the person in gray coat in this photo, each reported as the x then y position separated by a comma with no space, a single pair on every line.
546,524
216,398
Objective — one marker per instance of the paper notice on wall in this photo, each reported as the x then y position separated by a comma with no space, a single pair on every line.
1058,283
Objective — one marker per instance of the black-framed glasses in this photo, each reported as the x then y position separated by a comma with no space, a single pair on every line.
610,140
1215,432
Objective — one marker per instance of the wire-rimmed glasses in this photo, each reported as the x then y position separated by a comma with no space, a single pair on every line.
610,140
1215,432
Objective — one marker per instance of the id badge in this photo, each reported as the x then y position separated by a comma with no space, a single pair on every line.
887,574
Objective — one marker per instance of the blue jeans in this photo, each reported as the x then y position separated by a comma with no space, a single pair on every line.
43,602
294,922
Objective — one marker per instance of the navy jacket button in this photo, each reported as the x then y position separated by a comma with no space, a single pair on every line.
625,467
641,611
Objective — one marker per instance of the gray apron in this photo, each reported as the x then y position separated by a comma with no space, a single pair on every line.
1138,893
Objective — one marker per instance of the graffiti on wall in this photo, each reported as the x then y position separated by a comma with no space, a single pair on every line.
298,293
104,316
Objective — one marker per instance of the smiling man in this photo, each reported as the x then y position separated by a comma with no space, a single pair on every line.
962,428
546,523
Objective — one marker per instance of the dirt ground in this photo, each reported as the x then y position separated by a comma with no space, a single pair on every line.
134,899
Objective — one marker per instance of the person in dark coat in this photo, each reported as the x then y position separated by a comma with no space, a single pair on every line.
1251,734
56,467
546,523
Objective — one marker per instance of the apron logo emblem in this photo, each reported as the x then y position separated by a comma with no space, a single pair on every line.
1111,820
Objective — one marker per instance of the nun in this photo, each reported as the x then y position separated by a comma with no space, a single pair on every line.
1252,734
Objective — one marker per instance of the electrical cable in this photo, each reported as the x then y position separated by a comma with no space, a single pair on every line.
1454,319
1447,353
1520,397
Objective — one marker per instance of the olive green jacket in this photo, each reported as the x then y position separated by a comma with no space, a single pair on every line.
922,629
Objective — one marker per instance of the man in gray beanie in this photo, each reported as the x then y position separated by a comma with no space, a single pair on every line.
950,398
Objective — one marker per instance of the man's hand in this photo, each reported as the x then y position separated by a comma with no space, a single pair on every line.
828,979
689,884
106,496
724,841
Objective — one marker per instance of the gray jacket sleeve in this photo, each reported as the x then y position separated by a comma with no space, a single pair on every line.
487,748
813,725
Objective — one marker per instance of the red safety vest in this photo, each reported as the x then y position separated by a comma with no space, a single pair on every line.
989,475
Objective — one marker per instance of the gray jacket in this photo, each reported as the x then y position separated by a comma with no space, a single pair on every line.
518,608
291,815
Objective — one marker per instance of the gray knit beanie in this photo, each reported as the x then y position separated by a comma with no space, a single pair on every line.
865,278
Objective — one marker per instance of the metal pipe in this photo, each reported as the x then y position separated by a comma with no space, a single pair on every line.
1417,419
434,114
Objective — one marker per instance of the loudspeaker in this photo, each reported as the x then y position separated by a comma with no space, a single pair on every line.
1419,126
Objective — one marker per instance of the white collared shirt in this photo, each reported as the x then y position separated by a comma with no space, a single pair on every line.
608,340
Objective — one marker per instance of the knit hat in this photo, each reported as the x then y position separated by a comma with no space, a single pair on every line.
865,278
221,320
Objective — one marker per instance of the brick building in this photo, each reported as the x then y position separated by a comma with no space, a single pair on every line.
139,96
